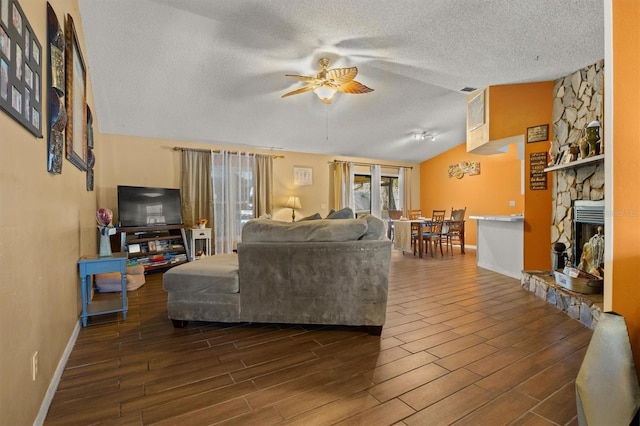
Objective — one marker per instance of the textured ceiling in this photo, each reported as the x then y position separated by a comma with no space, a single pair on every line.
214,70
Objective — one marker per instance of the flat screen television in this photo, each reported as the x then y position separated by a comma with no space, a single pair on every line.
145,206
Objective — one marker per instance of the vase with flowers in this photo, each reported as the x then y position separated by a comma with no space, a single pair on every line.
104,217
202,223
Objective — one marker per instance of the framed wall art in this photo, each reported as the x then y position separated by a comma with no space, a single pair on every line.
57,114
91,158
303,176
76,99
20,68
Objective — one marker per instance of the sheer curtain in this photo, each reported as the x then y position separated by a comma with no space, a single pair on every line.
404,182
233,197
195,186
263,182
376,197
343,185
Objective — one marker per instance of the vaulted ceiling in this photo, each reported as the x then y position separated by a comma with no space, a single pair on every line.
214,70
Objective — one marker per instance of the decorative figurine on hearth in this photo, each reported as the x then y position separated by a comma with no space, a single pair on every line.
104,218
593,137
584,147
592,257
574,151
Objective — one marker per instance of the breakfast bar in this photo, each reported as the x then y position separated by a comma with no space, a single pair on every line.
500,243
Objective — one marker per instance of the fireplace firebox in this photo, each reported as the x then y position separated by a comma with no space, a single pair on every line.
588,215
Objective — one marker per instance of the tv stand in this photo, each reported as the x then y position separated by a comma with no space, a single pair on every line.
156,247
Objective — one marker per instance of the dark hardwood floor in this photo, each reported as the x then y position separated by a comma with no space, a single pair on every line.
461,345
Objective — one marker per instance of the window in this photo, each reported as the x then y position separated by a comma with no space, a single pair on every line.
233,197
389,191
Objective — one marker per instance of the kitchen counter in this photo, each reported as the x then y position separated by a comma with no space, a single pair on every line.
500,243
500,218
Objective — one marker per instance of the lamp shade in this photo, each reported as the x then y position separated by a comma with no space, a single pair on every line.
326,94
293,202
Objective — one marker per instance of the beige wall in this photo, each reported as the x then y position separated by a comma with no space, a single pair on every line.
126,160
46,223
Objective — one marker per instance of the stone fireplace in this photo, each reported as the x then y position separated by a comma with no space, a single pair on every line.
578,100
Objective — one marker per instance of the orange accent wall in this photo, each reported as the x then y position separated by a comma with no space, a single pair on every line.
625,149
486,193
512,108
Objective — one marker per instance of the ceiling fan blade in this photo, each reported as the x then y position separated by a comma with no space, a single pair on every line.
342,75
304,78
353,87
301,90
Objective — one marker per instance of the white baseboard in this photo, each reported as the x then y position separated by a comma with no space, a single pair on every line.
55,381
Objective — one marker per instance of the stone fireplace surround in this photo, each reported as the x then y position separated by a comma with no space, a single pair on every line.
578,100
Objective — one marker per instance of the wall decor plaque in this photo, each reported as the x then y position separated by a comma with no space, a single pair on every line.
538,133
537,175
20,68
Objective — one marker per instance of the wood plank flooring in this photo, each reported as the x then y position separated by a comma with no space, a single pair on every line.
461,345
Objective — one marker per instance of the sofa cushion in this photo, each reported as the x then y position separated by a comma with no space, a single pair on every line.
345,213
261,230
211,274
375,228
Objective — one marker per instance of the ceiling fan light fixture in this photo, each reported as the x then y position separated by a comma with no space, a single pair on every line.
326,94
328,82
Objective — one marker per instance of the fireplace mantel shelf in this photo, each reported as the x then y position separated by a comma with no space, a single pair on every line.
576,163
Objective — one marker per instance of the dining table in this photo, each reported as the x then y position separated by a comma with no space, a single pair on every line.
403,231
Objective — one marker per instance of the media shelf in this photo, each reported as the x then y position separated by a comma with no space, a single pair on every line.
154,247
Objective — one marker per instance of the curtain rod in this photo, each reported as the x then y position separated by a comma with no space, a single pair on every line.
369,164
217,151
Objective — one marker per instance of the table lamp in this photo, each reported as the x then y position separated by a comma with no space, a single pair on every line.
293,203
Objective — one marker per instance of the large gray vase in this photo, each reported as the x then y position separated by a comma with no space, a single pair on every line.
607,391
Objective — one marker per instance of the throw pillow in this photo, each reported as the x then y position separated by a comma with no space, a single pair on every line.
345,213
315,216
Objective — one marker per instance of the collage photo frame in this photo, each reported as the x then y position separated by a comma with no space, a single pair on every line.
20,68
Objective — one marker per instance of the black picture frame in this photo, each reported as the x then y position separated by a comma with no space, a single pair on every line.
20,68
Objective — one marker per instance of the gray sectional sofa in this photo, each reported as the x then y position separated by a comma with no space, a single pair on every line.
326,271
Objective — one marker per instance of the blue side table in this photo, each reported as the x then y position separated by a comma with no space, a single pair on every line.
91,265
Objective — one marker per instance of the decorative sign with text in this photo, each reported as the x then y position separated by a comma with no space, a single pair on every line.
538,133
537,175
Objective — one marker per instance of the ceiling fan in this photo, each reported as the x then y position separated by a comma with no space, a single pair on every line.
328,82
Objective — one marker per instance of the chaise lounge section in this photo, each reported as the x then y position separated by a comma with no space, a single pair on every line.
326,271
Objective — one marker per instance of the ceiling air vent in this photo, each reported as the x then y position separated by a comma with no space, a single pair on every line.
468,89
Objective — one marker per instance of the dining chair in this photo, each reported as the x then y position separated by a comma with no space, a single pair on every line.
393,215
413,215
436,232
455,227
